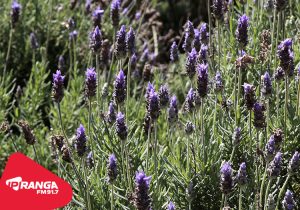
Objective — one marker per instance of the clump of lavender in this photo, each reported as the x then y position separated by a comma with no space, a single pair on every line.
202,81
90,82
15,12
27,131
80,141
280,4
164,96
58,87
242,175
218,9
226,178
97,17
294,163
218,82
203,53
154,105
189,128
120,48
173,110
190,64
149,89
278,137
197,41
236,136
285,54
270,149
33,41
120,88
174,52
61,62
121,128
114,13
259,116
130,42
242,31
96,40
90,160
275,166
171,206
111,114
142,200
279,74
188,36
112,170
266,85
204,35
190,101
288,202
249,95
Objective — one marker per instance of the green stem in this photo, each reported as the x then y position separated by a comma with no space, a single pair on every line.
89,207
285,109
112,197
262,186
267,193
148,146
281,192
155,148
7,55
98,83
128,90
35,153
277,99
188,157
298,97
273,35
202,130
232,153
238,114
241,199
219,43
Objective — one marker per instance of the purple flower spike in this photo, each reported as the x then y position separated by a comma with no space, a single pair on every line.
130,41
33,41
111,114
218,9
114,13
58,87
288,202
237,136
190,64
249,95
286,55
73,35
61,62
96,40
190,101
97,16
90,82
197,41
174,52
218,82
226,178
120,49
280,4
270,149
275,166
173,110
112,170
87,6
142,201
80,141
204,35
203,53
242,31
242,175
267,85
120,88
121,127
164,95
259,116
294,163
189,128
154,105
202,81
15,13
171,206
189,36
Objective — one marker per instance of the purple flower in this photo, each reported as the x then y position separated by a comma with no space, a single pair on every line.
203,53
120,88
114,12
121,127
202,81
279,74
120,48
154,105
33,41
226,178
270,149
133,61
15,12
130,41
190,101
27,132
285,54
58,86
173,110
87,6
190,64
242,31
112,170
218,82
111,114
294,163
61,62
280,4
80,141
249,95
73,35
97,16
90,160
275,166
174,52
242,174
259,116
266,84
204,35
149,88
164,95
288,202
96,40
189,36
189,128
278,138
90,82
105,53
142,201
171,206
197,42
218,9
236,136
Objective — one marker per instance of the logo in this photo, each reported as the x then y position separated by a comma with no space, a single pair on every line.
27,185
41,187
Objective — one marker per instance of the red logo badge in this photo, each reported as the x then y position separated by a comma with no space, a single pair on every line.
27,185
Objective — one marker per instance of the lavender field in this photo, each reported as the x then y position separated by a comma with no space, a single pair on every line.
186,105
